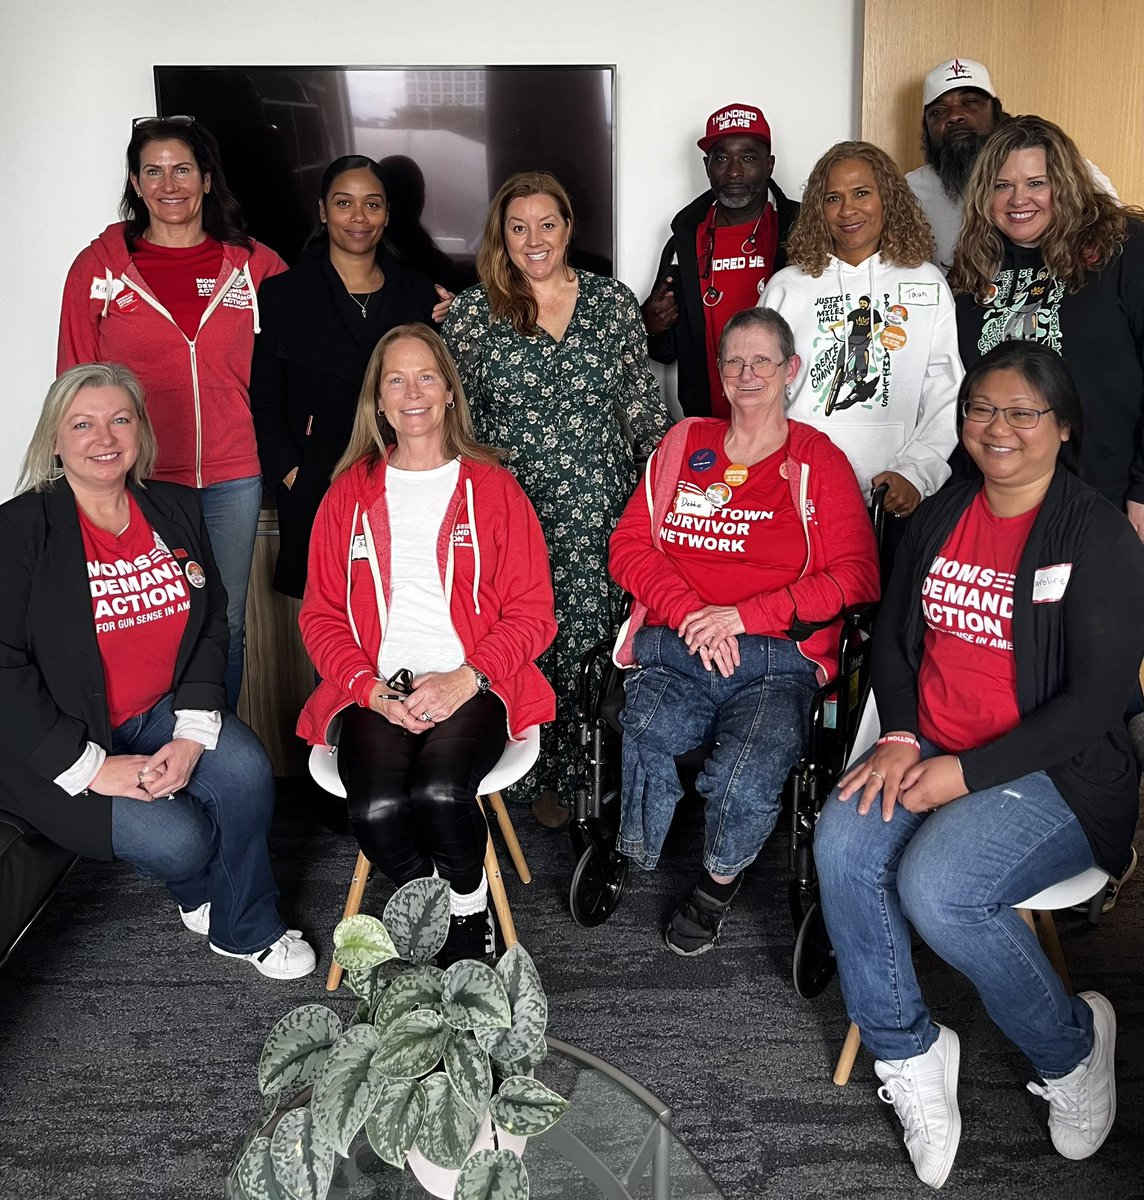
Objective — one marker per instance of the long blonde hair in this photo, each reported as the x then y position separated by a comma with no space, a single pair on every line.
906,237
1086,229
510,295
373,437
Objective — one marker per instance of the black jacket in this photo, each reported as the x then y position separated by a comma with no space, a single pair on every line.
686,341
52,690
1077,658
309,361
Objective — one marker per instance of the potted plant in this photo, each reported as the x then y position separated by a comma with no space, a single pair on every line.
434,1067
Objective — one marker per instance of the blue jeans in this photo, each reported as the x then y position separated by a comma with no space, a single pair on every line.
207,842
757,720
230,511
954,874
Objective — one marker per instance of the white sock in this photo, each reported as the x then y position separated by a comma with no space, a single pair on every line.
473,902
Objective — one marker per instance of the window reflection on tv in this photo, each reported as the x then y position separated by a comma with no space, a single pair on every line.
446,137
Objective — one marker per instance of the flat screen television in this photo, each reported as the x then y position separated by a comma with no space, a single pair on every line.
447,138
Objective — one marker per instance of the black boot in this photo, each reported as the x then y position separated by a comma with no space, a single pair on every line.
469,937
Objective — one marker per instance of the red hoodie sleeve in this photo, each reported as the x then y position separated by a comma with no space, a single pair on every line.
80,315
642,569
523,584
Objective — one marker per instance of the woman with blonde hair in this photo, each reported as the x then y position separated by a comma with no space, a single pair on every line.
425,644
1045,256
874,322
555,363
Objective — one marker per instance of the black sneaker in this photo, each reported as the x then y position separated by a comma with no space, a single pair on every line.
469,937
695,924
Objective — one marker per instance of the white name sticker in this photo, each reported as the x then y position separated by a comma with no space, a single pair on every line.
358,547
99,287
1049,583
918,293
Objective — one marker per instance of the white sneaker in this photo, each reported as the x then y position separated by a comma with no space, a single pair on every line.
923,1091
198,920
290,957
1082,1104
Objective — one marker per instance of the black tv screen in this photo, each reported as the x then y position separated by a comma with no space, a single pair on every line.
447,138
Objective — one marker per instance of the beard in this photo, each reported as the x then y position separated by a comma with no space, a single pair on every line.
737,200
954,160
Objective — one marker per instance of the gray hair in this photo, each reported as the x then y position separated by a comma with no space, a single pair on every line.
760,318
41,467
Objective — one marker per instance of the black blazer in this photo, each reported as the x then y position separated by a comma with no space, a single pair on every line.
52,691
309,361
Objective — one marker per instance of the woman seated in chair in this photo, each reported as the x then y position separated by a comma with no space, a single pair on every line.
428,569
1006,649
115,741
746,541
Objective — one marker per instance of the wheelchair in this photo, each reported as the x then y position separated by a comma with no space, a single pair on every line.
601,871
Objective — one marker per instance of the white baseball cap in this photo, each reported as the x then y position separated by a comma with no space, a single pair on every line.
956,73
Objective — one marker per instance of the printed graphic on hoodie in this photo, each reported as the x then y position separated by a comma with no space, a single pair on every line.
849,364
1023,306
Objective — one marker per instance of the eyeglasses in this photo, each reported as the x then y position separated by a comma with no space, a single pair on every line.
178,119
763,368
1017,418
401,681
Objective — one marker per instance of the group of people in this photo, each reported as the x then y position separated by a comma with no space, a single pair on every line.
460,513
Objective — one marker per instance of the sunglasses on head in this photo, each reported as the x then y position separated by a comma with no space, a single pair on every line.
178,119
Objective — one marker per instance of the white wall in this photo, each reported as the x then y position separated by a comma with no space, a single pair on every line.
74,72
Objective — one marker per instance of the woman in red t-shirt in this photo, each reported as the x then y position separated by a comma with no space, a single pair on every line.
1006,650
741,548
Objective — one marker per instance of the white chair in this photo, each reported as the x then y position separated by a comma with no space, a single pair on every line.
516,761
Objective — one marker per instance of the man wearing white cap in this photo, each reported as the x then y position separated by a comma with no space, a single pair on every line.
961,111
724,247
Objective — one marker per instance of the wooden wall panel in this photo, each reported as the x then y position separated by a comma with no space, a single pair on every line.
1079,63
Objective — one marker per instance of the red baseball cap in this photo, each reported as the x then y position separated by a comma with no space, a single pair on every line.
734,119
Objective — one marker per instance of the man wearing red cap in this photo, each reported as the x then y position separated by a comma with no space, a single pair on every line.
724,247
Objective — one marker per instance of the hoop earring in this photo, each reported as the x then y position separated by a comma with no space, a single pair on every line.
450,404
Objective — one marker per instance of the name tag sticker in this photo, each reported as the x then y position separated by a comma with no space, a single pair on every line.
1049,583
918,293
358,547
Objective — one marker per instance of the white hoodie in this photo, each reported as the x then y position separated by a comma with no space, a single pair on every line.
880,367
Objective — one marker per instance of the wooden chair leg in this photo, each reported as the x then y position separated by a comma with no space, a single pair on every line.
509,835
1027,917
848,1056
353,907
498,894
1047,932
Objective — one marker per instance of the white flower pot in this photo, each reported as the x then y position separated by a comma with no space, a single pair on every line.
438,1181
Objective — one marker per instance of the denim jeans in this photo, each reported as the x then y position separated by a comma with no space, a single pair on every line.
954,874
208,841
757,720
230,511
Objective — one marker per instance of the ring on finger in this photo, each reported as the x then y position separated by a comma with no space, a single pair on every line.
426,716
878,775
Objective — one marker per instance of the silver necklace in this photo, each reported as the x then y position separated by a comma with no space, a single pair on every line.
363,307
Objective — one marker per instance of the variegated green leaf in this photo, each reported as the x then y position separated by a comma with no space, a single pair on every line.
413,1044
529,1008
417,917
492,1175
396,1117
367,985
361,942
418,989
303,1162
467,1066
447,1132
347,1087
296,1048
473,997
255,1175
503,1068
526,1107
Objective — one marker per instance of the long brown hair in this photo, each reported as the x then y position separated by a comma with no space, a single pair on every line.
509,293
906,237
1086,229
373,437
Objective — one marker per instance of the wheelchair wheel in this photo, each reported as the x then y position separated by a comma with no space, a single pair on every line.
814,963
597,885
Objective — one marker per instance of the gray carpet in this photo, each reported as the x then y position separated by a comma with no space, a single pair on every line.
127,1050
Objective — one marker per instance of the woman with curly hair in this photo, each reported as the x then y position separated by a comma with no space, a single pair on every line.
1045,256
873,320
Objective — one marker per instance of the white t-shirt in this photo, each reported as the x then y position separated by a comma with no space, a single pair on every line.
419,634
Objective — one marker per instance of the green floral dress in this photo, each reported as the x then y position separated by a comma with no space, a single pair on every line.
556,407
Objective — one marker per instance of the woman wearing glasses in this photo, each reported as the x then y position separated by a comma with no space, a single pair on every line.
875,322
171,292
741,549
425,644
1006,649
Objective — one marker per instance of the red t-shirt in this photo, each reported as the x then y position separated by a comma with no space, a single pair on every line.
732,531
967,684
742,263
139,600
182,278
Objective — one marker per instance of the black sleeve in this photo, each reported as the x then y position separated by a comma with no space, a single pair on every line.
201,683
661,347
893,670
277,452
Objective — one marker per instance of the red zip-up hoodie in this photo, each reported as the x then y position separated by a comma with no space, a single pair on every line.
196,389
494,569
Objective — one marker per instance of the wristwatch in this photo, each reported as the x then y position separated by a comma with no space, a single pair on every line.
483,681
